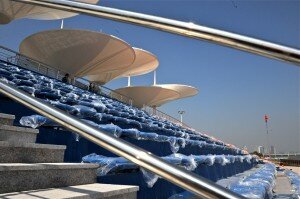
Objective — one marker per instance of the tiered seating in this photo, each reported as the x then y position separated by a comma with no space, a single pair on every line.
114,165
258,184
295,181
101,110
212,158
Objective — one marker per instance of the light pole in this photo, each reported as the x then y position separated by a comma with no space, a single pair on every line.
267,129
181,113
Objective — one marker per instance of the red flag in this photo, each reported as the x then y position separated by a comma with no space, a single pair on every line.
266,118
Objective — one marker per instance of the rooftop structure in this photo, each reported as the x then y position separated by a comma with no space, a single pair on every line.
101,58
144,63
11,10
79,52
183,90
157,95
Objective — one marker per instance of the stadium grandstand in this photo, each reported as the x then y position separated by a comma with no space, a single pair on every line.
64,134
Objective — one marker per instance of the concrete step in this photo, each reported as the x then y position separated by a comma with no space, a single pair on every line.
87,191
17,134
16,177
30,153
6,119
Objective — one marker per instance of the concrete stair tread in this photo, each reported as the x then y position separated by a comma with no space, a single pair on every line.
28,152
6,119
17,134
7,116
19,129
45,166
31,145
80,191
15,177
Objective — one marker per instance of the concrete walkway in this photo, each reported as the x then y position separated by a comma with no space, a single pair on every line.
283,188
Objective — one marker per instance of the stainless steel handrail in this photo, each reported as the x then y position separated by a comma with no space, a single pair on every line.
187,29
183,178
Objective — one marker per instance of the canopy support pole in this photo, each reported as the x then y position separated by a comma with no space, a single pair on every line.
154,77
129,81
62,24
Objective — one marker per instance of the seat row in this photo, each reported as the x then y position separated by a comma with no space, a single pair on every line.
295,181
102,110
221,166
258,184
144,139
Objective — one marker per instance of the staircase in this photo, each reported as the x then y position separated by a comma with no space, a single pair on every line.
30,171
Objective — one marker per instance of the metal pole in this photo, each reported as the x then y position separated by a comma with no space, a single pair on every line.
181,115
268,143
129,81
62,24
183,178
187,29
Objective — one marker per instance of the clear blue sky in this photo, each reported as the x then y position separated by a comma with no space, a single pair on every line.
236,88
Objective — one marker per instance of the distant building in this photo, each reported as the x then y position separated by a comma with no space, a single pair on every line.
272,150
261,150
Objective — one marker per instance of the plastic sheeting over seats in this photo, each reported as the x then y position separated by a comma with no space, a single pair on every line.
109,164
102,110
175,143
257,185
35,121
295,181
118,164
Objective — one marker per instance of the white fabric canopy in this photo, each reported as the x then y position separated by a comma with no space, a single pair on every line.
78,52
157,95
11,10
144,62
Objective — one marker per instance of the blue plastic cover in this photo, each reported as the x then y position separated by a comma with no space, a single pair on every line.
35,121
257,185
109,164
184,195
65,107
295,181
110,128
84,111
100,109
116,164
